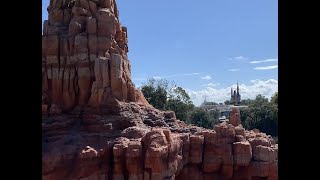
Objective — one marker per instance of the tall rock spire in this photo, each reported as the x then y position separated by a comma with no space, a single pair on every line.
84,57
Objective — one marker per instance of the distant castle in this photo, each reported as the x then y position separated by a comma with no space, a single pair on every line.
235,96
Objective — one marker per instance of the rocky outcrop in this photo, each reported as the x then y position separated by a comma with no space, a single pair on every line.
235,117
96,125
84,57
123,146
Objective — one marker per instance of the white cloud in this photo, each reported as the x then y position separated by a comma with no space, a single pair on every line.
138,80
238,58
157,77
207,77
266,67
263,61
211,84
247,91
175,75
233,70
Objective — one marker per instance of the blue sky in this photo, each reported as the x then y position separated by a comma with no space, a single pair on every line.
204,46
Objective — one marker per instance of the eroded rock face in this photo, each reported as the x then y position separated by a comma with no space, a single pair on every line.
84,57
96,125
235,117
122,146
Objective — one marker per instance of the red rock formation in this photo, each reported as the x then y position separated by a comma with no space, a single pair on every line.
96,125
235,117
84,56
122,146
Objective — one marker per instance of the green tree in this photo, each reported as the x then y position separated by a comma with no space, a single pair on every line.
245,102
274,102
227,102
204,118
247,120
274,99
179,102
167,96
260,114
155,93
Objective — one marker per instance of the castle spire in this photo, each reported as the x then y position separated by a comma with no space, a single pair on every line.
237,87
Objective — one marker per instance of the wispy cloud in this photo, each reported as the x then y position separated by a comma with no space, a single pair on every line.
211,84
163,77
263,61
238,58
157,77
176,75
247,91
266,67
207,77
233,69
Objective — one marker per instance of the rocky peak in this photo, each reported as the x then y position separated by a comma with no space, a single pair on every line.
84,58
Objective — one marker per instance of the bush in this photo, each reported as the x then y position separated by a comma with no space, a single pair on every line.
165,96
204,118
261,114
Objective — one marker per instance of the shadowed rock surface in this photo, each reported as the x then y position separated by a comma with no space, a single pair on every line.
97,126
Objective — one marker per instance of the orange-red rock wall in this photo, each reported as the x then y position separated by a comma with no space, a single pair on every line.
84,56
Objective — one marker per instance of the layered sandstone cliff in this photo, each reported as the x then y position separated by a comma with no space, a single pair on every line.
96,125
84,57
